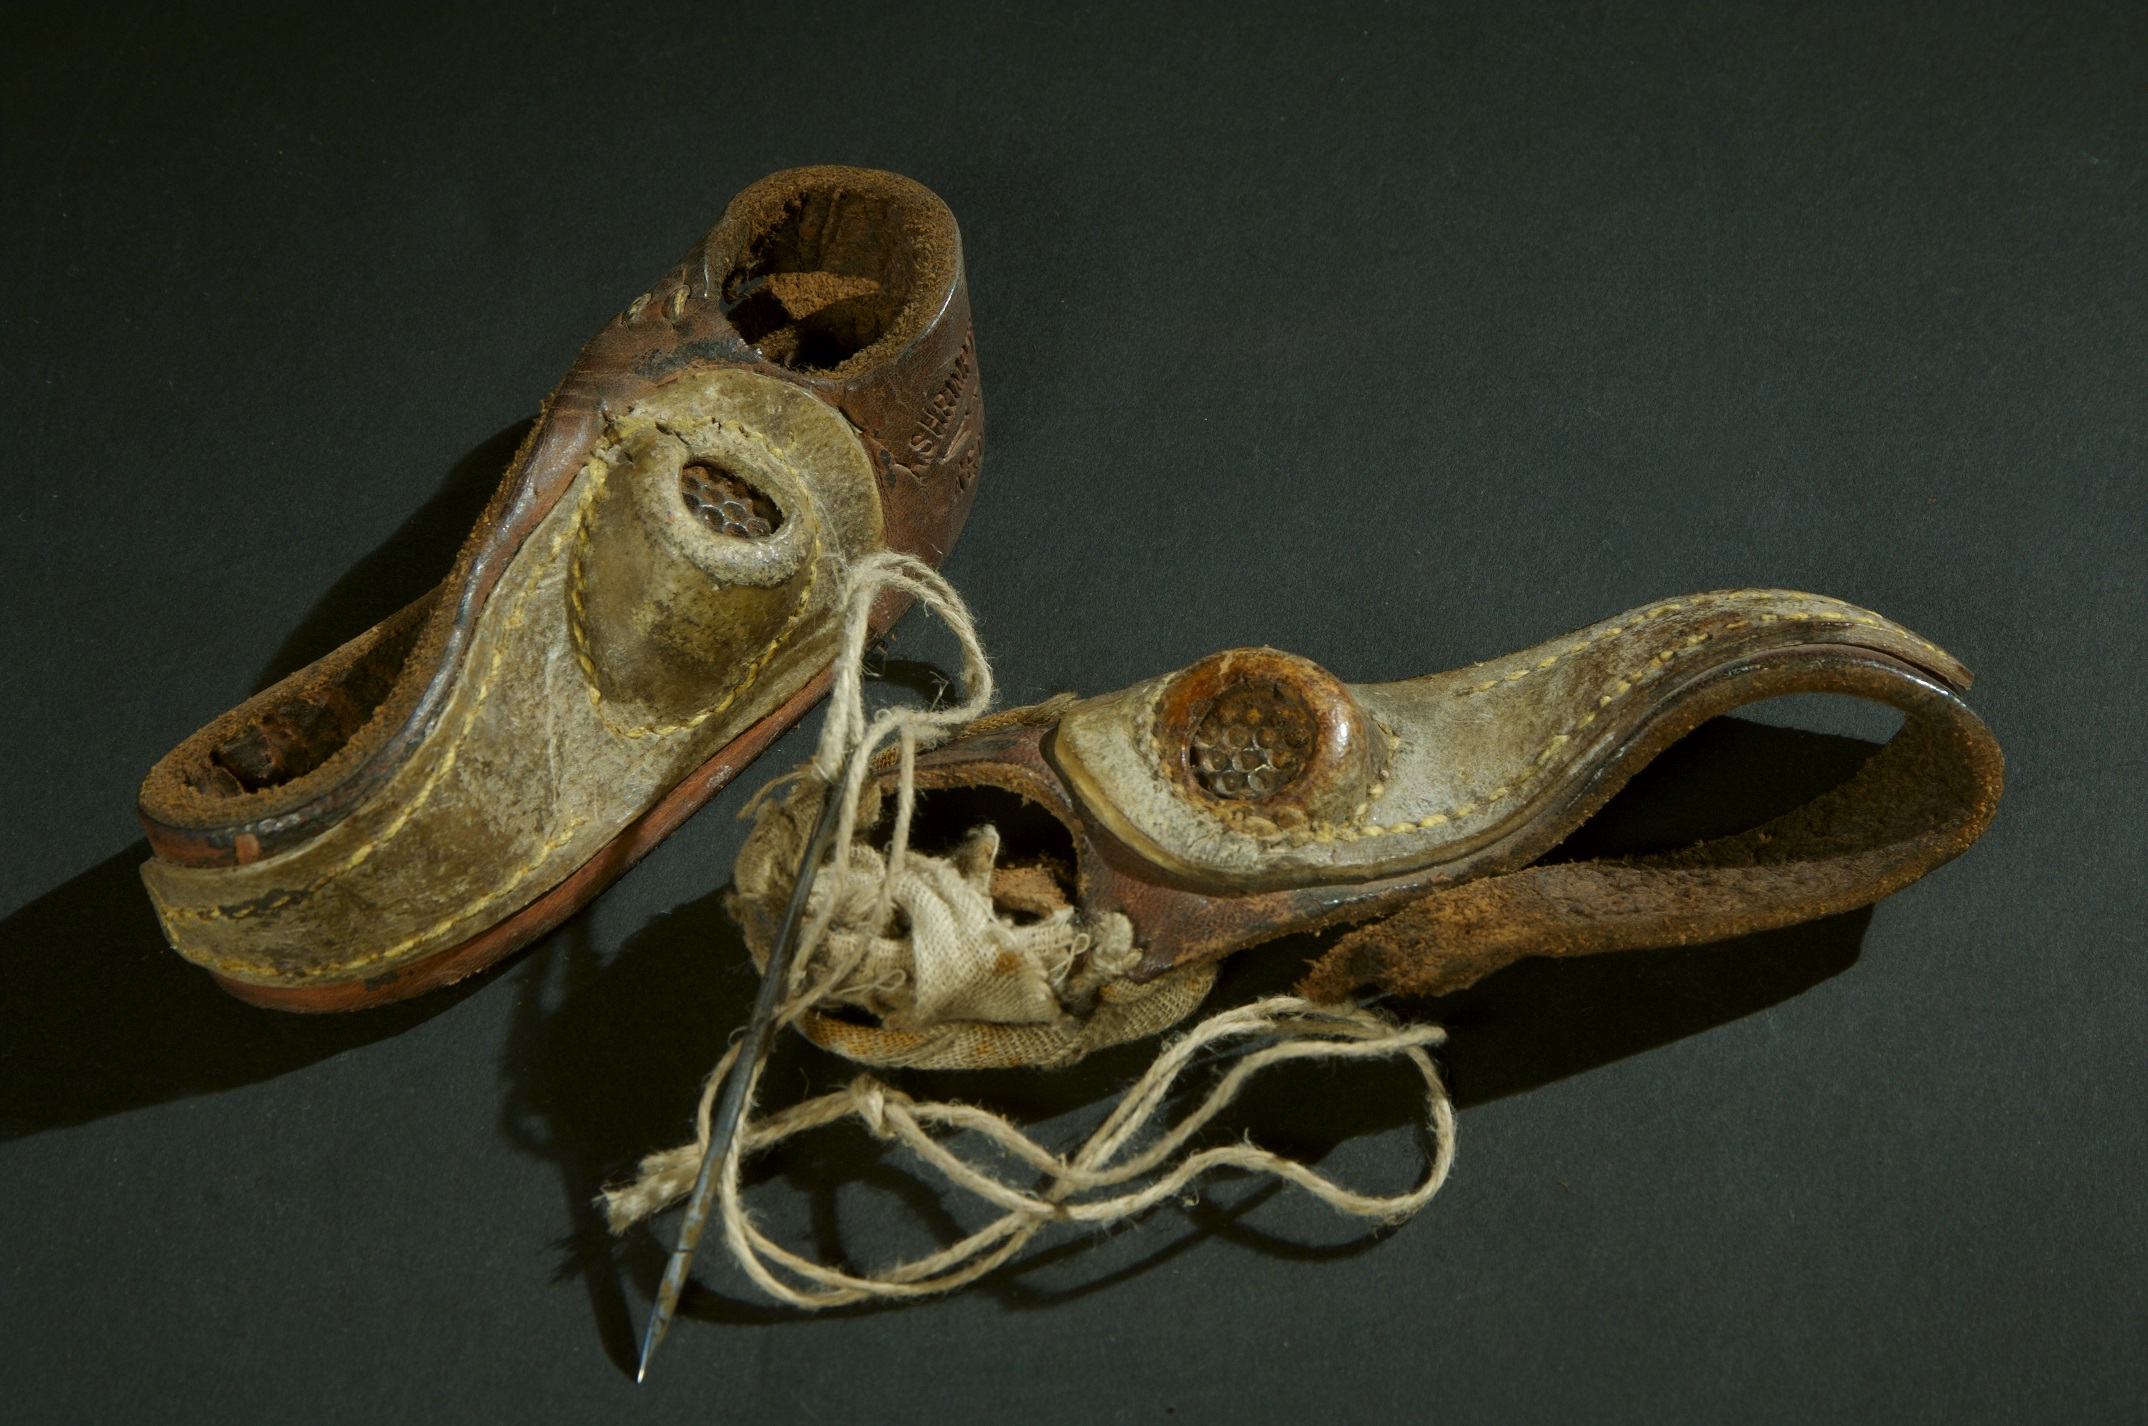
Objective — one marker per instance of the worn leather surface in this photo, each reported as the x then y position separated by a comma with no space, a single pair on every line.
1253,794
654,574
1397,349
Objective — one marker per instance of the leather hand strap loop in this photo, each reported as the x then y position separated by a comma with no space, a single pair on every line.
1206,821
1916,803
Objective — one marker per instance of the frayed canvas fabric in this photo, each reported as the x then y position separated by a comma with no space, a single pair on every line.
906,960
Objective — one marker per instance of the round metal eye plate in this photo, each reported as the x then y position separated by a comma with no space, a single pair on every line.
1256,739
726,504
1257,733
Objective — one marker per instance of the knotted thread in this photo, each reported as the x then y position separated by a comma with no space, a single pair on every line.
945,977
1120,1171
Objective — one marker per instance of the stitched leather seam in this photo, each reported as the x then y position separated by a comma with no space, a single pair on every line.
417,800
596,469
1849,611
1330,832
746,675
236,965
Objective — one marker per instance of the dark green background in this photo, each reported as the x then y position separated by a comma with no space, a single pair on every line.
1395,337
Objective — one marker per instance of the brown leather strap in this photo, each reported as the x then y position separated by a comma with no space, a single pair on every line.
1433,841
1919,801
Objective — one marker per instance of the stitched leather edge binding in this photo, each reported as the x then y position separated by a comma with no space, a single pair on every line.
913,390
1470,899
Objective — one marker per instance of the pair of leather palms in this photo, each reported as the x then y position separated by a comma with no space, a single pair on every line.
653,597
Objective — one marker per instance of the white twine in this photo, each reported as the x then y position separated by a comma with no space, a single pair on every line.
1130,1180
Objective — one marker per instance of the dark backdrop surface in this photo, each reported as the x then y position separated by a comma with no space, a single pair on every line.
1395,337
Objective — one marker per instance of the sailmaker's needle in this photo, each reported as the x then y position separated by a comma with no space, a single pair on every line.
731,1104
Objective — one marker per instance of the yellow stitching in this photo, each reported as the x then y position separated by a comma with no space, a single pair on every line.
746,676
418,799
1325,832
1841,610
544,854
594,472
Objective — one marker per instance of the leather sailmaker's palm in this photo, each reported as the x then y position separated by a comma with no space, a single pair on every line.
1253,794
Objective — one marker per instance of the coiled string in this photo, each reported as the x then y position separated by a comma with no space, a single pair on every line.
1128,1165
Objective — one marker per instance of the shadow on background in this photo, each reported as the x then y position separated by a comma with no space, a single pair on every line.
403,566
97,1015
608,1054
603,1062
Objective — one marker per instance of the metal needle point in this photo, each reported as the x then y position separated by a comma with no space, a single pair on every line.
731,1104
